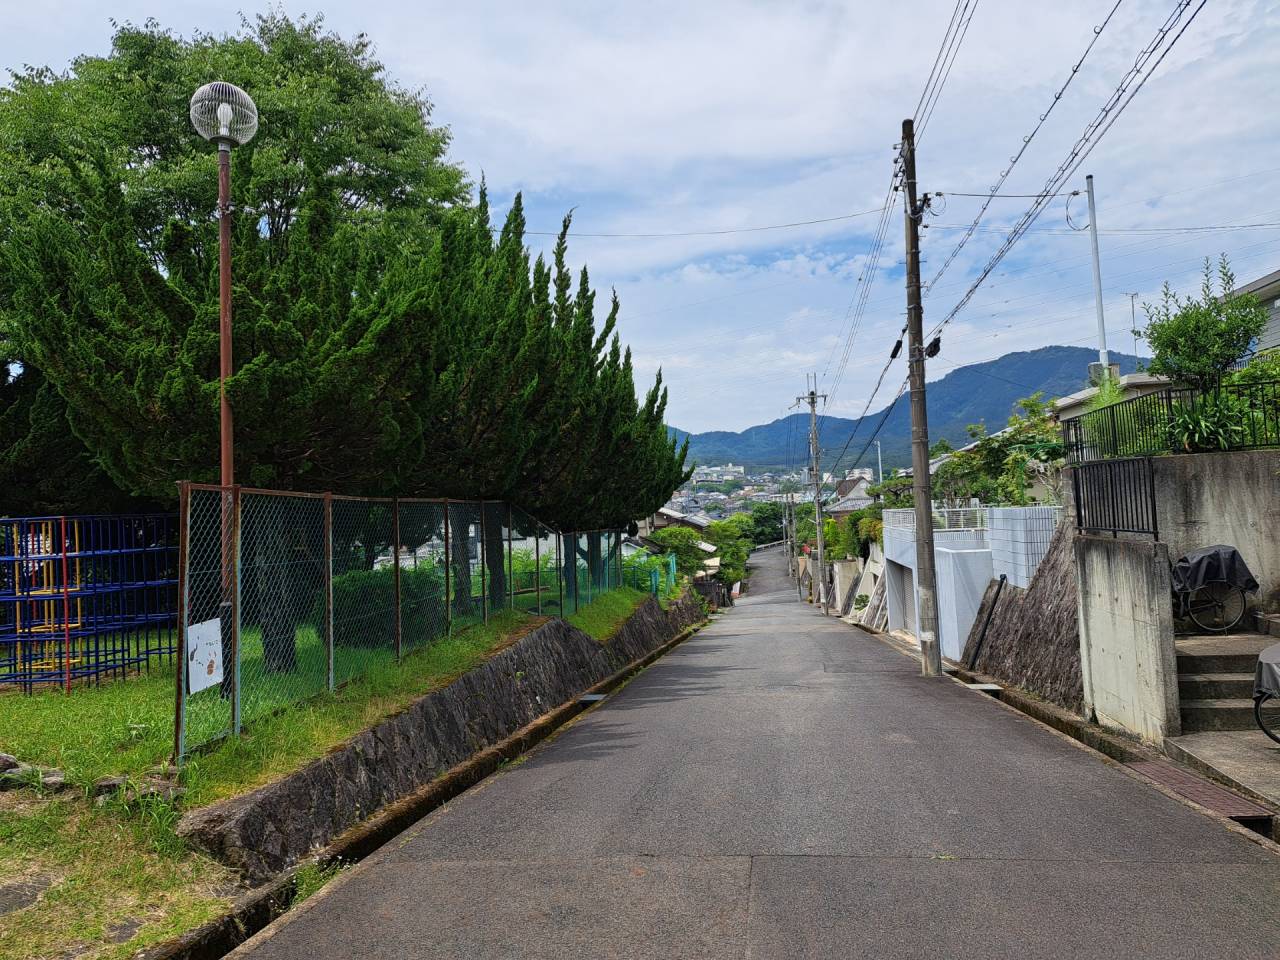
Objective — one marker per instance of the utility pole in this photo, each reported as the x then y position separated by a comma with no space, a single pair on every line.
879,464
1097,279
819,573
921,482
789,532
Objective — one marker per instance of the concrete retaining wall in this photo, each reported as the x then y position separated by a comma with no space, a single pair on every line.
1127,658
1232,498
962,575
271,828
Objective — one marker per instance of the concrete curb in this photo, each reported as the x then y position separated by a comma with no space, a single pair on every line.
267,903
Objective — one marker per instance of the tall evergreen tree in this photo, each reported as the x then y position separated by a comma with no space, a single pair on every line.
386,342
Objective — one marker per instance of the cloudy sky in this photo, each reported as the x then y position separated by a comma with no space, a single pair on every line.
701,118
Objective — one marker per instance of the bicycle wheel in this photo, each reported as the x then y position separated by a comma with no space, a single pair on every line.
1216,607
1266,710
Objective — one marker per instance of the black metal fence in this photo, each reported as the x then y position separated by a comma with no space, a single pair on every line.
1115,497
1237,416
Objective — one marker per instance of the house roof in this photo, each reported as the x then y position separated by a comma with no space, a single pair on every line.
849,504
1134,383
1263,286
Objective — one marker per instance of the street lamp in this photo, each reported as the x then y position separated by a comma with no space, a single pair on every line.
225,114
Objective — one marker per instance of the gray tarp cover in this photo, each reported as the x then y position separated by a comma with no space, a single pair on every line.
1266,676
1217,564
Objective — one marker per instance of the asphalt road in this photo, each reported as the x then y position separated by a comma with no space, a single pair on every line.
784,786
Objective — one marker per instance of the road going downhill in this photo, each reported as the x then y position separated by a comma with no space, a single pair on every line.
783,785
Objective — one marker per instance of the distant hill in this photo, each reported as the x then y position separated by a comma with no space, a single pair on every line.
979,393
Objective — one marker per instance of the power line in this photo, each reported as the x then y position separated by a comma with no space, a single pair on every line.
879,426
1026,142
957,28
1089,139
1120,231
933,71
858,305
955,50
699,233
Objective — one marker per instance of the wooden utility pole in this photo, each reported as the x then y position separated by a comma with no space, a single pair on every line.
819,570
921,482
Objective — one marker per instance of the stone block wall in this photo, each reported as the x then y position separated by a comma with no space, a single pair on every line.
1033,641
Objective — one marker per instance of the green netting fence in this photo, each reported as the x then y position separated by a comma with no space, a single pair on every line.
286,596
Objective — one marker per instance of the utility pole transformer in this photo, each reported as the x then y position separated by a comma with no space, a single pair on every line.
820,569
1097,280
921,485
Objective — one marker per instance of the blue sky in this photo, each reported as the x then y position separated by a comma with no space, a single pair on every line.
676,117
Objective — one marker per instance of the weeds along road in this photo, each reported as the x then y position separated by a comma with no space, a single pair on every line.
783,785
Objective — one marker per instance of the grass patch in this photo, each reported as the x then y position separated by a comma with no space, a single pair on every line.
118,877
116,883
126,727
603,616
311,877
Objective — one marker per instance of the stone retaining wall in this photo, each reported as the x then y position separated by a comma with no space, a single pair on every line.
1034,638
271,828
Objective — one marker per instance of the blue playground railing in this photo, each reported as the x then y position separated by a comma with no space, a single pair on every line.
86,597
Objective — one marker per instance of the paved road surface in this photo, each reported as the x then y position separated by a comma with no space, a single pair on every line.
783,786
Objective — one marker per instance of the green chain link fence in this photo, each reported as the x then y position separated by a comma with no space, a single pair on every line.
286,596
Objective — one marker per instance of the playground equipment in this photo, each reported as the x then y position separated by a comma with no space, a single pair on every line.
83,598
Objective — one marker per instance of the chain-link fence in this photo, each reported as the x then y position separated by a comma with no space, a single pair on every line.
288,595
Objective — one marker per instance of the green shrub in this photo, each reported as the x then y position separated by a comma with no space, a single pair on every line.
860,601
1213,423
364,605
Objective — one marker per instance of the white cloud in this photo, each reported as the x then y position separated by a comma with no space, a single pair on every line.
669,117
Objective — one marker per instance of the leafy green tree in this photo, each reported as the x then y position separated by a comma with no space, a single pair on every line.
733,542
894,492
1196,341
45,469
683,542
106,200
386,342
1263,368
1002,467
766,519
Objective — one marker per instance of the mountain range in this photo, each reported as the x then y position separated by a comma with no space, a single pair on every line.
979,393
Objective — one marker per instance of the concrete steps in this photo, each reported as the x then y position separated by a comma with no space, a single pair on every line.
1215,686
1215,679
1221,714
1267,624
1226,653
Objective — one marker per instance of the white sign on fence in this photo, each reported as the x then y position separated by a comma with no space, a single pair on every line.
204,655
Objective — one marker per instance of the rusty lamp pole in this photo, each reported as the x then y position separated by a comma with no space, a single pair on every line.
225,114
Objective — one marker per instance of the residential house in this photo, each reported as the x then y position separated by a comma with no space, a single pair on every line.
1131,385
1267,290
855,481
